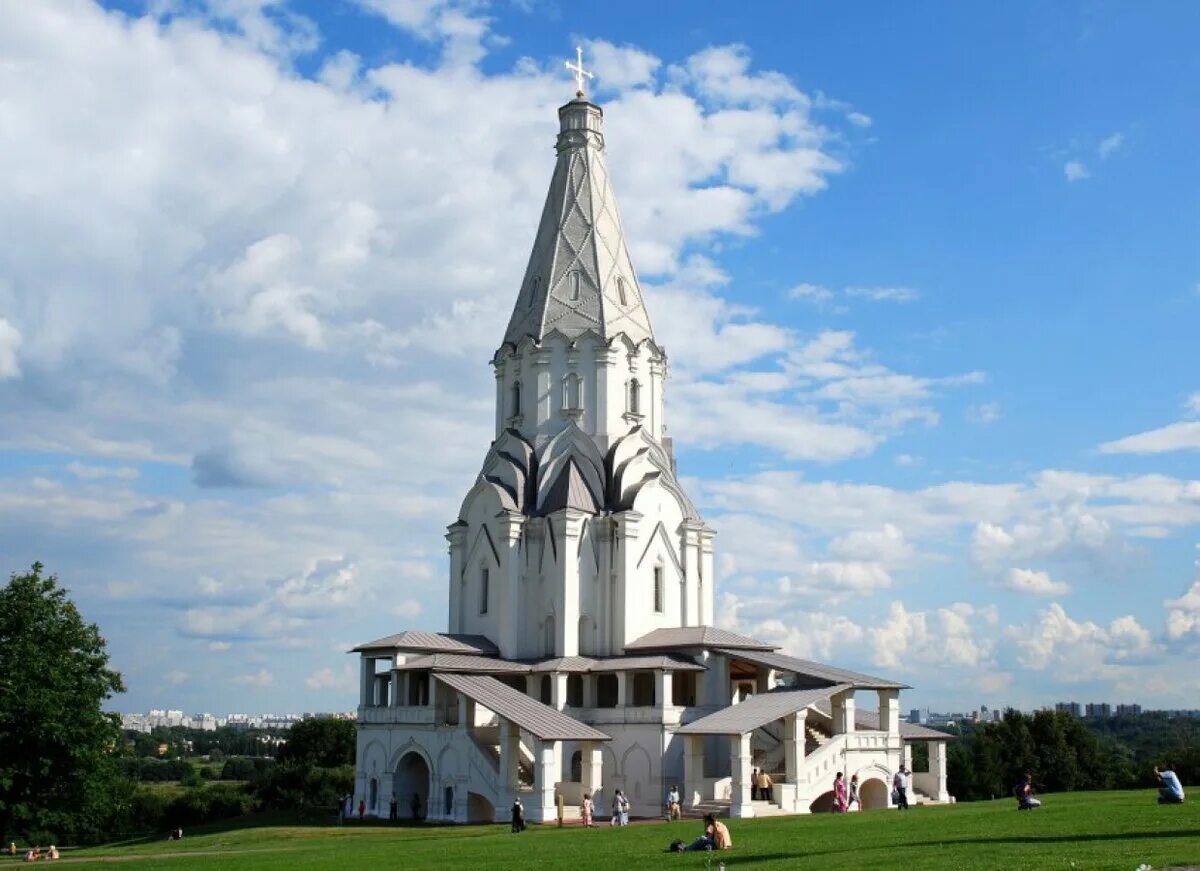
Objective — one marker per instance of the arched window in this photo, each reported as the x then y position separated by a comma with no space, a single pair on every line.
572,388
515,410
373,796
635,398
573,281
658,590
484,579
621,290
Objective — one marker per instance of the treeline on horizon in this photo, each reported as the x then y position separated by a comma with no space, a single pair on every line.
1065,753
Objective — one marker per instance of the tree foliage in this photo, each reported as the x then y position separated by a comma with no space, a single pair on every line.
323,742
57,770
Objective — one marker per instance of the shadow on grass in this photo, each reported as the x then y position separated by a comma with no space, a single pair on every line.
946,842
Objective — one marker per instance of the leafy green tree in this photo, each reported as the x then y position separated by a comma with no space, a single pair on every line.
323,742
57,769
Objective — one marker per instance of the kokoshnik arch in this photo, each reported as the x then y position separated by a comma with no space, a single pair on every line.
580,654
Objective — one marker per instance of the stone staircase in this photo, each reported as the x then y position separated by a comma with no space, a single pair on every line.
720,808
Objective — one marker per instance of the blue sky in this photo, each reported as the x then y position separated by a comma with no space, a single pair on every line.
928,278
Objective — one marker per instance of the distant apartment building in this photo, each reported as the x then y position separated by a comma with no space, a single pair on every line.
1075,709
1128,710
914,716
1099,709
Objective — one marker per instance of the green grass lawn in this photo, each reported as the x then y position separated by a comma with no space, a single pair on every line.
1113,830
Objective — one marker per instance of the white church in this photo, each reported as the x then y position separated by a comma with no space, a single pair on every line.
581,655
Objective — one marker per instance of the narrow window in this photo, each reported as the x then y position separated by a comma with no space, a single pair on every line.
516,399
533,289
483,591
571,390
635,398
658,589
621,290
574,280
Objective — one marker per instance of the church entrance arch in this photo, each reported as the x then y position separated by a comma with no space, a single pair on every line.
412,778
873,794
479,809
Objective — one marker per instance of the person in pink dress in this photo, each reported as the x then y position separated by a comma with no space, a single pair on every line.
839,794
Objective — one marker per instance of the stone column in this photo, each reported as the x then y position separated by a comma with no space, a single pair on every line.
366,688
456,536
663,686
395,698
842,705
509,776
693,770
533,686
937,770
622,699
764,679
793,744
589,690
739,762
706,583
544,780
592,766
558,690
889,711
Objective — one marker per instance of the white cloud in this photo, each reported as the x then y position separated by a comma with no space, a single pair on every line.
619,68
260,678
886,545
1182,436
176,677
943,637
1075,171
883,294
1034,582
1192,403
344,680
1183,614
1110,145
93,473
813,292
986,413
10,343
858,119
1079,650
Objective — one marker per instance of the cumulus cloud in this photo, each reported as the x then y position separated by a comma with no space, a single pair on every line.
1080,649
1074,170
1034,582
260,678
344,679
1110,145
1182,436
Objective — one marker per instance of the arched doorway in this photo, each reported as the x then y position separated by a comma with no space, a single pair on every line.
479,809
873,794
822,804
412,778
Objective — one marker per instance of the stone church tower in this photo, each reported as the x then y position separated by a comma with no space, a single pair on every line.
577,537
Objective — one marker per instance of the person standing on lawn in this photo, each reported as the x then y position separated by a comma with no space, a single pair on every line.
900,788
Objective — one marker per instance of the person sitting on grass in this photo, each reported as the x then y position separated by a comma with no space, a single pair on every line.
1170,790
1024,793
53,853
715,837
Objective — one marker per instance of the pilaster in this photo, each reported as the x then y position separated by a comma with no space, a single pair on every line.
628,532
509,525
693,770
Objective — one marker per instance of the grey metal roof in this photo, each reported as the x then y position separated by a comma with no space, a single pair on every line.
431,642
660,662
820,671
563,664
463,663
543,721
917,732
758,710
696,636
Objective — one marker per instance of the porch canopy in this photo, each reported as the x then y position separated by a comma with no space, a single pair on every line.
542,721
758,711
814,671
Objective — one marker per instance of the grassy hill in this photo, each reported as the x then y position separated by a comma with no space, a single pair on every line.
1106,830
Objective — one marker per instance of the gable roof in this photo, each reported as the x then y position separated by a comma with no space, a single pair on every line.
696,636
660,662
542,721
431,642
817,670
758,710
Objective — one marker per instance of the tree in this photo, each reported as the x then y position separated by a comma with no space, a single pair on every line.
324,742
57,771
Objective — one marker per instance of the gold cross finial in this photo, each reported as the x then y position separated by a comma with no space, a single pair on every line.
579,71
